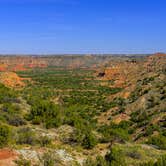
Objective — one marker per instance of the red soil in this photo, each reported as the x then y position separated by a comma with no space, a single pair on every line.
19,67
3,67
6,153
7,157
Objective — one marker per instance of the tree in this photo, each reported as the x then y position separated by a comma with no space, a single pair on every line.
89,141
115,157
46,112
99,161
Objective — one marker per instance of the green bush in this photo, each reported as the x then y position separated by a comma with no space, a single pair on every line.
16,120
158,140
7,95
26,136
50,159
114,132
89,141
22,162
115,157
44,141
160,162
4,135
140,116
134,154
47,113
99,161
150,129
11,108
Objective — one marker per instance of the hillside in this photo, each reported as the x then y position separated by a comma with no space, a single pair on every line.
143,96
87,111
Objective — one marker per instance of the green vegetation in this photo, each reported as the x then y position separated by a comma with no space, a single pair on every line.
25,136
114,132
46,112
158,141
22,162
4,135
160,162
72,101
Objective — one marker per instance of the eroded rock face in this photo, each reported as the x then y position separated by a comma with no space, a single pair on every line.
121,73
11,79
124,73
156,62
15,63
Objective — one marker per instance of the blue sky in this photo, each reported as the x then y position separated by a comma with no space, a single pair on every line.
82,26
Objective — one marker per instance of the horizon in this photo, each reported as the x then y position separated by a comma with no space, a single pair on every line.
85,54
49,27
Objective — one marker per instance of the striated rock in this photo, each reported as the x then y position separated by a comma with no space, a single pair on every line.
15,63
124,73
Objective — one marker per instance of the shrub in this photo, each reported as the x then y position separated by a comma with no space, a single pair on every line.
36,120
115,157
89,141
53,123
44,141
159,141
160,162
4,135
135,94
139,116
7,95
47,112
23,162
114,132
99,161
10,108
125,124
134,155
16,120
150,129
50,159
25,136
120,134
147,80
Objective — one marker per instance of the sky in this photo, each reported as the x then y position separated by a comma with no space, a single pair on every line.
82,26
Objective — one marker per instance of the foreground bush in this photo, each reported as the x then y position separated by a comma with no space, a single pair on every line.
45,112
